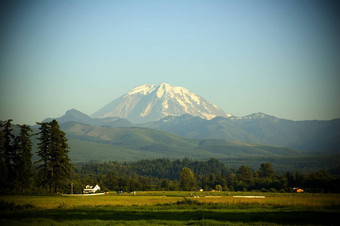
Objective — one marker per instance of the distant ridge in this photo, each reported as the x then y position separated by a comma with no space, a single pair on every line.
89,142
148,103
310,136
322,136
74,115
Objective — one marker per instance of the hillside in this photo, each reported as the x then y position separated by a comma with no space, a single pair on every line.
88,142
74,115
93,143
258,128
309,136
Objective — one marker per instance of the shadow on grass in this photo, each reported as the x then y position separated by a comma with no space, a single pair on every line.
289,217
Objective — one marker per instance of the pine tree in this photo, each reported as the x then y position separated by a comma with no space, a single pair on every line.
9,153
60,163
23,159
55,165
43,153
187,179
3,168
266,170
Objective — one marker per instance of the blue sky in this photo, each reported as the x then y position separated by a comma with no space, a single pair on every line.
277,57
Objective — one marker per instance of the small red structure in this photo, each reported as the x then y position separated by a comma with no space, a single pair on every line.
298,190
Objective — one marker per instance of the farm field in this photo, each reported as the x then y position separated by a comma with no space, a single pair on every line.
172,208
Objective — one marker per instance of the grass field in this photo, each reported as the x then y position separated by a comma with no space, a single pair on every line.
172,208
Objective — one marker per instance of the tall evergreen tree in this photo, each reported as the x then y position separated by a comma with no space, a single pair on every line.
9,153
266,170
43,153
187,179
60,163
245,173
23,159
3,168
55,165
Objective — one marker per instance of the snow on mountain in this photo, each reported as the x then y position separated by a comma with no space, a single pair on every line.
258,115
147,103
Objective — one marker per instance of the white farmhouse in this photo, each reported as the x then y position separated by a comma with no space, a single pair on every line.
91,189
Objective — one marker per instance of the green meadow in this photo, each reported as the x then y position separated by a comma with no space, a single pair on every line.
172,208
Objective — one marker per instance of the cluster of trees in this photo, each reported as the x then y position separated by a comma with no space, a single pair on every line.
54,164
15,158
53,172
186,174
18,174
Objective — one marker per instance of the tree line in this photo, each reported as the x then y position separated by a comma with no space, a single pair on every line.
54,172
186,174
50,173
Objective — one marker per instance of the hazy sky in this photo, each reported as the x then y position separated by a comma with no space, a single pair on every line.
277,57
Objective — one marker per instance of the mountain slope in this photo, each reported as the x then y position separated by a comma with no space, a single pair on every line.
258,128
127,144
150,103
74,115
322,136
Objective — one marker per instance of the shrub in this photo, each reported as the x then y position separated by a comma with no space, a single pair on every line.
186,201
12,206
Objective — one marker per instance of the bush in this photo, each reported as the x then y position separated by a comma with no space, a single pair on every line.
12,206
186,201
218,187
273,190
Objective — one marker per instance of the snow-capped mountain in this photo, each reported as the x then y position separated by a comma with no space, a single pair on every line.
147,103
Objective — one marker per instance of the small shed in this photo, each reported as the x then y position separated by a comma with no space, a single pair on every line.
298,190
91,189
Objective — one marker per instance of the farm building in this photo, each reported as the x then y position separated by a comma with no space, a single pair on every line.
91,189
298,190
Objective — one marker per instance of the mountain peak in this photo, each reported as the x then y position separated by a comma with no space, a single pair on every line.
165,85
73,112
151,102
143,89
258,115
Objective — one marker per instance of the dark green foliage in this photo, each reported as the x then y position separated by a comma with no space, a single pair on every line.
12,206
245,174
8,143
9,154
53,171
3,167
183,213
23,161
54,164
187,179
189,202
60,163
164,174
16,159
266,170
305,164
44,154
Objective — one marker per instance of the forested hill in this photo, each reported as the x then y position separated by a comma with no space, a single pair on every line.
89,142
308,136
94,143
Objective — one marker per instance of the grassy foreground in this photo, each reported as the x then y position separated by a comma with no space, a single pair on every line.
171,208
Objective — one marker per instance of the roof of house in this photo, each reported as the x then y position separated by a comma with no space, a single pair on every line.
89,187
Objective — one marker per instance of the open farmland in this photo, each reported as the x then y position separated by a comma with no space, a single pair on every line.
171,208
